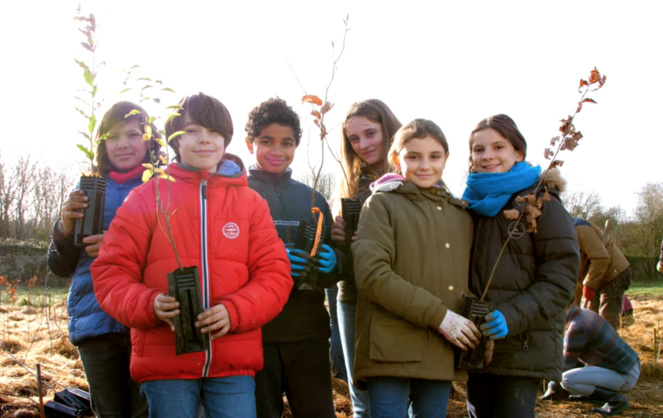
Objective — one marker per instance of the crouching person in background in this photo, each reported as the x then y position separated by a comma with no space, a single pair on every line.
610,364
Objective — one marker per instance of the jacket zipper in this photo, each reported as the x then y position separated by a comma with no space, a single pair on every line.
278,193
205,272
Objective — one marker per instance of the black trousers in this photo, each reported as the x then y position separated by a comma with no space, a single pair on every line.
302,371
490,395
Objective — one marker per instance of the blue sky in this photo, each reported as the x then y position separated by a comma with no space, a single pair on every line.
452,62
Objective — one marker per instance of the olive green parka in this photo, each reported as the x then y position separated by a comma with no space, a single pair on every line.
411,264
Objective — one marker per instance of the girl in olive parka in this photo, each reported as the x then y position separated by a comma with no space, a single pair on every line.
411,264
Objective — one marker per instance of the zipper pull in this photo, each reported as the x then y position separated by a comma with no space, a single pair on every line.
525,346
203,188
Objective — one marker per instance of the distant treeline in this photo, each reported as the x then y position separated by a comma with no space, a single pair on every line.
31,193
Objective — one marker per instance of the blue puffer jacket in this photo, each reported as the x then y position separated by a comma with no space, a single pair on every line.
86,318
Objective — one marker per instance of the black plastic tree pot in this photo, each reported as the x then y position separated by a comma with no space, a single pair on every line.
305,240
92,222
74,398
350,210
473,359
184,285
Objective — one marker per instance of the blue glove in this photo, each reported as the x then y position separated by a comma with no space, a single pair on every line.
328,260
296,261
495,326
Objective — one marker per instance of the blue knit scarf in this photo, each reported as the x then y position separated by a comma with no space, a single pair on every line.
488,193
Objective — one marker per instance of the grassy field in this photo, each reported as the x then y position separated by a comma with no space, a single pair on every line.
646,288
33,330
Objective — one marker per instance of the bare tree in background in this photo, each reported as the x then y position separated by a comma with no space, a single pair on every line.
7,196
24,173
583,204
326,183
649,220
51,188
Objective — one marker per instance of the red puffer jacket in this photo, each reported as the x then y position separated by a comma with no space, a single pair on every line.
222,227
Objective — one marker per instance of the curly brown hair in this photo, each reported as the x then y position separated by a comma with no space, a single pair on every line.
273,110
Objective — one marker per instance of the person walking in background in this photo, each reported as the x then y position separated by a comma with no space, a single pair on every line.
411,287
534,279
103,342
604,275
367,132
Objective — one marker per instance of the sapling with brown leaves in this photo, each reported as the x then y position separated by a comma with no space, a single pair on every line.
567,140
478,310
320,108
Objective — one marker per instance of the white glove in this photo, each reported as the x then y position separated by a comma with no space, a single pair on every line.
460,331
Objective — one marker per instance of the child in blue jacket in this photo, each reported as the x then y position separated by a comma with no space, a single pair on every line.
103,343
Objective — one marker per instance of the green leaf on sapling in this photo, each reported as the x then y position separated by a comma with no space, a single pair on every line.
161,142
92,124
171,116
89,79
86,135
175,135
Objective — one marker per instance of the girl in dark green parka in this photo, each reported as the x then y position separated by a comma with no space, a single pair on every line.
534,279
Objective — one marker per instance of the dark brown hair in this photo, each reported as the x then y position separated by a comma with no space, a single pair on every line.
204,110
507,128
377,112
119,114
419,129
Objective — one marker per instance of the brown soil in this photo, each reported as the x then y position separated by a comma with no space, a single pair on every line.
38,335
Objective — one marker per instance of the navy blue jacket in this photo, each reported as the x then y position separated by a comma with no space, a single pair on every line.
86,318
304,316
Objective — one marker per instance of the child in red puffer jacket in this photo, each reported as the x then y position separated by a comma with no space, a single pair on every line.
224,229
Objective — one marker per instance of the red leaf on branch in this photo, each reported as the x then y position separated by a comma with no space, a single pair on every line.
312,99
588,100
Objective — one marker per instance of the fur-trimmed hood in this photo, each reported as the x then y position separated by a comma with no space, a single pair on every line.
553,180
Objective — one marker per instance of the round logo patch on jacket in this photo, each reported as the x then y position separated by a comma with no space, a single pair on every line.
231,230
516,229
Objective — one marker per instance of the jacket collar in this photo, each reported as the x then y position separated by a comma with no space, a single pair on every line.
270,178
188,174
